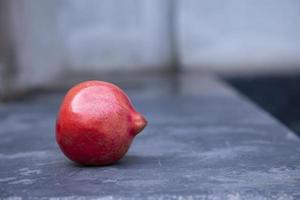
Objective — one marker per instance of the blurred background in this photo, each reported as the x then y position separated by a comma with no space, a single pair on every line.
253,45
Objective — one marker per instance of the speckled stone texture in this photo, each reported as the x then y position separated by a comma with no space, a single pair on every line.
203,141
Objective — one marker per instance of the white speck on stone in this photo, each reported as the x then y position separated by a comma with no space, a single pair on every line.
159,163
141,183
7,179
110,181
24,155
28,172
233,196
49,163
223,153
291,136
279,169
83,198
13,198
285,197
23,181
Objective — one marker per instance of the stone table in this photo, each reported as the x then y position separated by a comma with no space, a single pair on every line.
203,141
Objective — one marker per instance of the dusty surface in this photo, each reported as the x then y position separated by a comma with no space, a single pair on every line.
203,141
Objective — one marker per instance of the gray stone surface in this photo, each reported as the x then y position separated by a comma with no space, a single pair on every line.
203,141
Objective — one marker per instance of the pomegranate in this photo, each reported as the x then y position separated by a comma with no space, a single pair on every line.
96,123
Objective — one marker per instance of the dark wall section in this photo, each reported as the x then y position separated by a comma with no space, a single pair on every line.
278,95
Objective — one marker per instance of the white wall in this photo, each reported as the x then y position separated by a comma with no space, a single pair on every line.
54,37
36,41
61,36
240,35
114,35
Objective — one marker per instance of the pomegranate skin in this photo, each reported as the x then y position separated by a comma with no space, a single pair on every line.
96,123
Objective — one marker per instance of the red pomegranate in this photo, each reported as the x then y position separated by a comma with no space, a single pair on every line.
96,123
